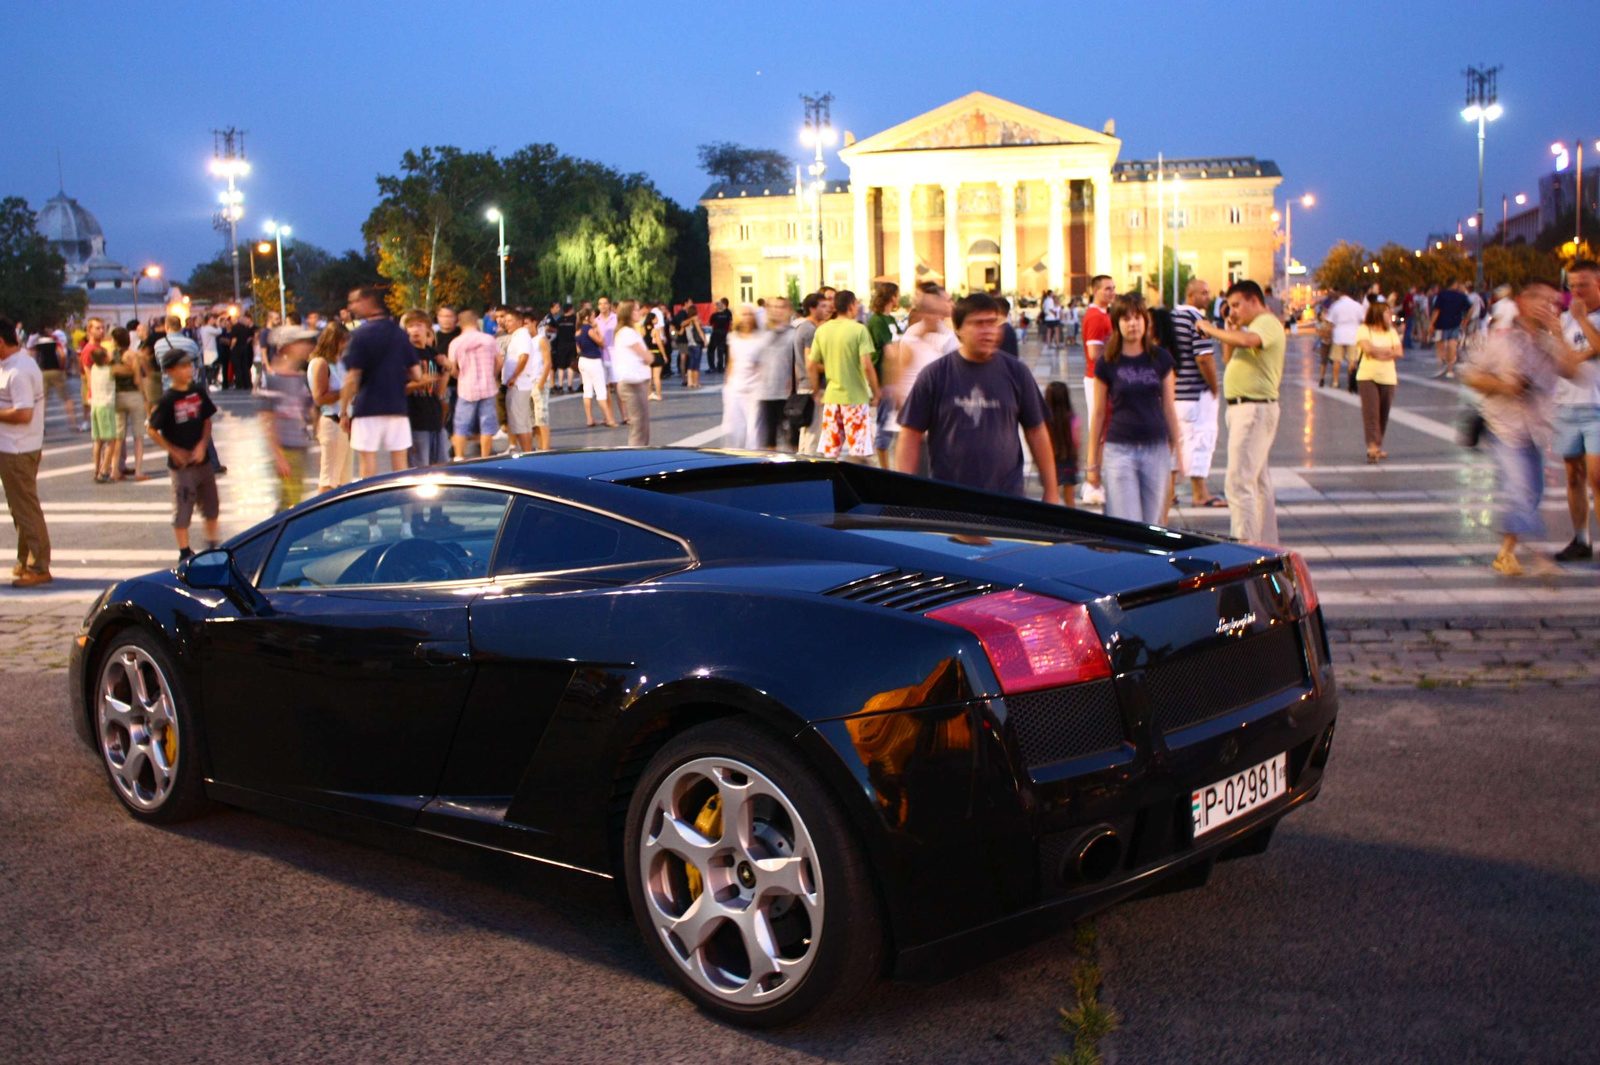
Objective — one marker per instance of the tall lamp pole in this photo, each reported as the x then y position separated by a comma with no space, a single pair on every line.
817,133
280,233
1482,107
493,214
228,161
150,271
1559,150
1307,200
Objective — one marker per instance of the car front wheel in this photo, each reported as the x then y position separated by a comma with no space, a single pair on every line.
144,729
746,881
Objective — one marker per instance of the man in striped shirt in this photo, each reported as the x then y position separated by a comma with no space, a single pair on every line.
1197,390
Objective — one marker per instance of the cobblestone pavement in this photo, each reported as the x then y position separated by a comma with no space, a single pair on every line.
1466,652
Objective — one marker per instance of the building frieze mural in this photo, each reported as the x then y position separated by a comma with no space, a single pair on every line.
978,129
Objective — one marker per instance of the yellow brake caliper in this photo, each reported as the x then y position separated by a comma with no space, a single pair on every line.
708,822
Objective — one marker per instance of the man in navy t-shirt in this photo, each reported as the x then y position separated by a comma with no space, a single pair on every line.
379,362
968,405
1449,310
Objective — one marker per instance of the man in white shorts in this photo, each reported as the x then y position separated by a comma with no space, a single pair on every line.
528,383
379,361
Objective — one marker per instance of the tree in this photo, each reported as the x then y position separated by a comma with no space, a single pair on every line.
1164,282
738,165
1395,267
1443,266
1560,235
1518,264
691,248
265,291
1342,267
212,280
575,229
328,288
32,274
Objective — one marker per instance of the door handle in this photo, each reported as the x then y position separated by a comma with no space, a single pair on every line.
443,652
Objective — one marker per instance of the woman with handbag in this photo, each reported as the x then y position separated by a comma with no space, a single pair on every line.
1378,346
691,341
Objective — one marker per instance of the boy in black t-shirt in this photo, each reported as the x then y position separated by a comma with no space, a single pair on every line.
181,424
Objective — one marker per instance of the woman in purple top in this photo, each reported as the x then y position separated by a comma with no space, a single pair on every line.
1133,434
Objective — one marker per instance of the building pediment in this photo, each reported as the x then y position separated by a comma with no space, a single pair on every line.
978,120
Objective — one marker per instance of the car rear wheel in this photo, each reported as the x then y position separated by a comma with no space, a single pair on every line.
144,729
748,885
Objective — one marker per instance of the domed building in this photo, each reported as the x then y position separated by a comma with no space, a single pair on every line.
75,233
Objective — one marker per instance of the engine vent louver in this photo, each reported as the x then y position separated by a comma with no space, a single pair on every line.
910,591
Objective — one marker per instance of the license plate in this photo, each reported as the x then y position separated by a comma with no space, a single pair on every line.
1227,800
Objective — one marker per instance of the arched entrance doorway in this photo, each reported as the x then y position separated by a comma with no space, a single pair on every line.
983,266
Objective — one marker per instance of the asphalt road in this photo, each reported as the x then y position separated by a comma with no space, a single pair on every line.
1441,902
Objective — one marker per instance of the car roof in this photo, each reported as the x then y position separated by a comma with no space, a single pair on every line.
614,464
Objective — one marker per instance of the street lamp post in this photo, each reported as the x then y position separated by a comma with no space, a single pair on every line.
280,234
817,133
150,271
1307,200
1482,107
263,248
228,161
1559,150
493,214
1177,229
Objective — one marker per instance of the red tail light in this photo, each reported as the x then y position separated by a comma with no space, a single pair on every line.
1032,641
1302,577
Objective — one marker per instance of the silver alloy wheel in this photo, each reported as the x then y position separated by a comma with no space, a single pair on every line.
138,725
732,881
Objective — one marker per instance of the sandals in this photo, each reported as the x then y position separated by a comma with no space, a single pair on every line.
1215,501
1507,565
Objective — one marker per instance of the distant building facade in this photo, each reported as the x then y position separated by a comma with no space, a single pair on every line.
982,194
73,232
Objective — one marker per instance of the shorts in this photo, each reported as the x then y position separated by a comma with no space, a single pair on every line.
593,374
380,432
475,417
887,429
55,381
103,422
192,486
846,429
1577,431
562,356
1448,334
519,411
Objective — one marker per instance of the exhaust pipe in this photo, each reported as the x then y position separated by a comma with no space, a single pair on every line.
1094,856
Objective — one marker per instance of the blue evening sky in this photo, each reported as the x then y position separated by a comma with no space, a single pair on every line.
1357,102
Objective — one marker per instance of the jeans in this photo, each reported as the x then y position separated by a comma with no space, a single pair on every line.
1137,478
1521,485
429,447
1252,508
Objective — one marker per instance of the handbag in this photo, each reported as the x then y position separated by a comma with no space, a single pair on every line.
1353,368
1470,426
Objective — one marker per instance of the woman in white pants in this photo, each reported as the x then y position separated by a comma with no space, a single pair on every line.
740,401
592,369
325,375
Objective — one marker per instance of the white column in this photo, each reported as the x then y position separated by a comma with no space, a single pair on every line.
955,271
1058,245
861,237
1102,224
908,246
1008,236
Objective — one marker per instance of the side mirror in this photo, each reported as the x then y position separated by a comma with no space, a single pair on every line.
214,571
211,570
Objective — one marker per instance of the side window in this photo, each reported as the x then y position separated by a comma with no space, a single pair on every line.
248,555
417,534
547,537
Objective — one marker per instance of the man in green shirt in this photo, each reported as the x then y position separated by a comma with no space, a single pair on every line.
843,350
1252,350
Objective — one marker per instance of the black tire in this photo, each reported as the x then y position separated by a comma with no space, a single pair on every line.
846,954
183,796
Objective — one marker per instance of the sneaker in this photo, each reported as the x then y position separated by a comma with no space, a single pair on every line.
1444,371
1577,551
185,552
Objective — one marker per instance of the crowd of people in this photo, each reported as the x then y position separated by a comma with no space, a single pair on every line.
925,385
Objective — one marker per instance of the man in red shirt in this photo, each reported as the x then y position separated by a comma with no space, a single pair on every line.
1096,331
94,338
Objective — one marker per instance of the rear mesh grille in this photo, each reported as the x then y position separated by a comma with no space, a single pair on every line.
1061,723
909,591
1206,685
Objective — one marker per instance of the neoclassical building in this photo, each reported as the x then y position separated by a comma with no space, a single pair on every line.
114,292
983,194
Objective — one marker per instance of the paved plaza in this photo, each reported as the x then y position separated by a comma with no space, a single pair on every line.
1400,551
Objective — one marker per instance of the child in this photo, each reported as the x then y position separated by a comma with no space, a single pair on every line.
181,424
1063,426
103,413
287,411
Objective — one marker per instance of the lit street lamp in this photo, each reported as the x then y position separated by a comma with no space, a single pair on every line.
1563,157
1307,200
280,233
232,167
150,271
1482,107
493,214
818,133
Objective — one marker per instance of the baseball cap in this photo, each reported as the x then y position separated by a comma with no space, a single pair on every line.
283,336
173,355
